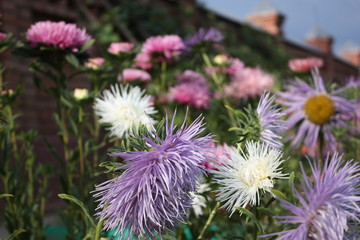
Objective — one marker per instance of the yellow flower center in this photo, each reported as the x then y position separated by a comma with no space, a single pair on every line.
319,109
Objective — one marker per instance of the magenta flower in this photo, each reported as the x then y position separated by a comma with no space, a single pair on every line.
154,192
248,82
59,34
192,89
119,47
2,36
132,74
163,48
218,156
315,113
95,63
305,64
329,202
143,61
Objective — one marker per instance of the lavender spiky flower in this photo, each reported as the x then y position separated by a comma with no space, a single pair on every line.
329,202
316,111
270,121
154,192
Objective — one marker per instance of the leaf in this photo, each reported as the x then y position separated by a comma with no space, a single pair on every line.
15,234
4,195
279,194
79,203
252,217
111,166
72,60
87,45
266,211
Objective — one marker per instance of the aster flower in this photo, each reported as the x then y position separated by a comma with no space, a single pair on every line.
142,61
316,111
131,74
203,36
248,82
163,48
124,108
59,34
199,201
217,156
193,89
270,121
244,176
119,47
153,193
305,64
2,36
329,202
81,93
95,63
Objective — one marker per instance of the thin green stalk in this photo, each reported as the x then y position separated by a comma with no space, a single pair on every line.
211,217
218,83
80,145
163,77
98,230
13,134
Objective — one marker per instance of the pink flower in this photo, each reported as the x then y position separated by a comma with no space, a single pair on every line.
2,36
305,64
131,74
95,63
235,65
192,89
119,47
249,82
218,155
143,61
163,48
59,34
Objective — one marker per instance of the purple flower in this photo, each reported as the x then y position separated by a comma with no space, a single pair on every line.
329,202
59,34
316,111
153,193
211,35
270,121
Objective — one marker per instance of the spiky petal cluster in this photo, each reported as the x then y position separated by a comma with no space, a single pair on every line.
316,113
124,108
153,193
59,34
270,121
244,176
329,200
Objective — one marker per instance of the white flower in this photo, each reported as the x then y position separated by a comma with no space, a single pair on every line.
124,108
199,201
244,177
81,93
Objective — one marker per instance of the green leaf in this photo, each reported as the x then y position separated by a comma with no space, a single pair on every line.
72,60
291,179
279,194
15,234
252,217
79,203
111,166
87,45
4,195
266,211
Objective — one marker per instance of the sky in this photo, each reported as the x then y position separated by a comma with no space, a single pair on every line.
338,18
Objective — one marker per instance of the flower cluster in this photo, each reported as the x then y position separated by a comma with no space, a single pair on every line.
305,64
58,34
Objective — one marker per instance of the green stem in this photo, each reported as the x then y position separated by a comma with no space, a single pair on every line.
163,77
13,134
211,217
218,83
98,230
80,146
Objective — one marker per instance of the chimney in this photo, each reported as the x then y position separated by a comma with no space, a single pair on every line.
266,17
351,52
320,39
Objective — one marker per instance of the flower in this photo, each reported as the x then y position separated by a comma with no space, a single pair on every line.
9,92
124,108
153,193
217,156
316,111
270,121
248,82
199,201
119,47
221,59
243,176
143,61
131,74
2,36
163,48
193,89
203,36
81,93
329,201
59,34
305,64
95,63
